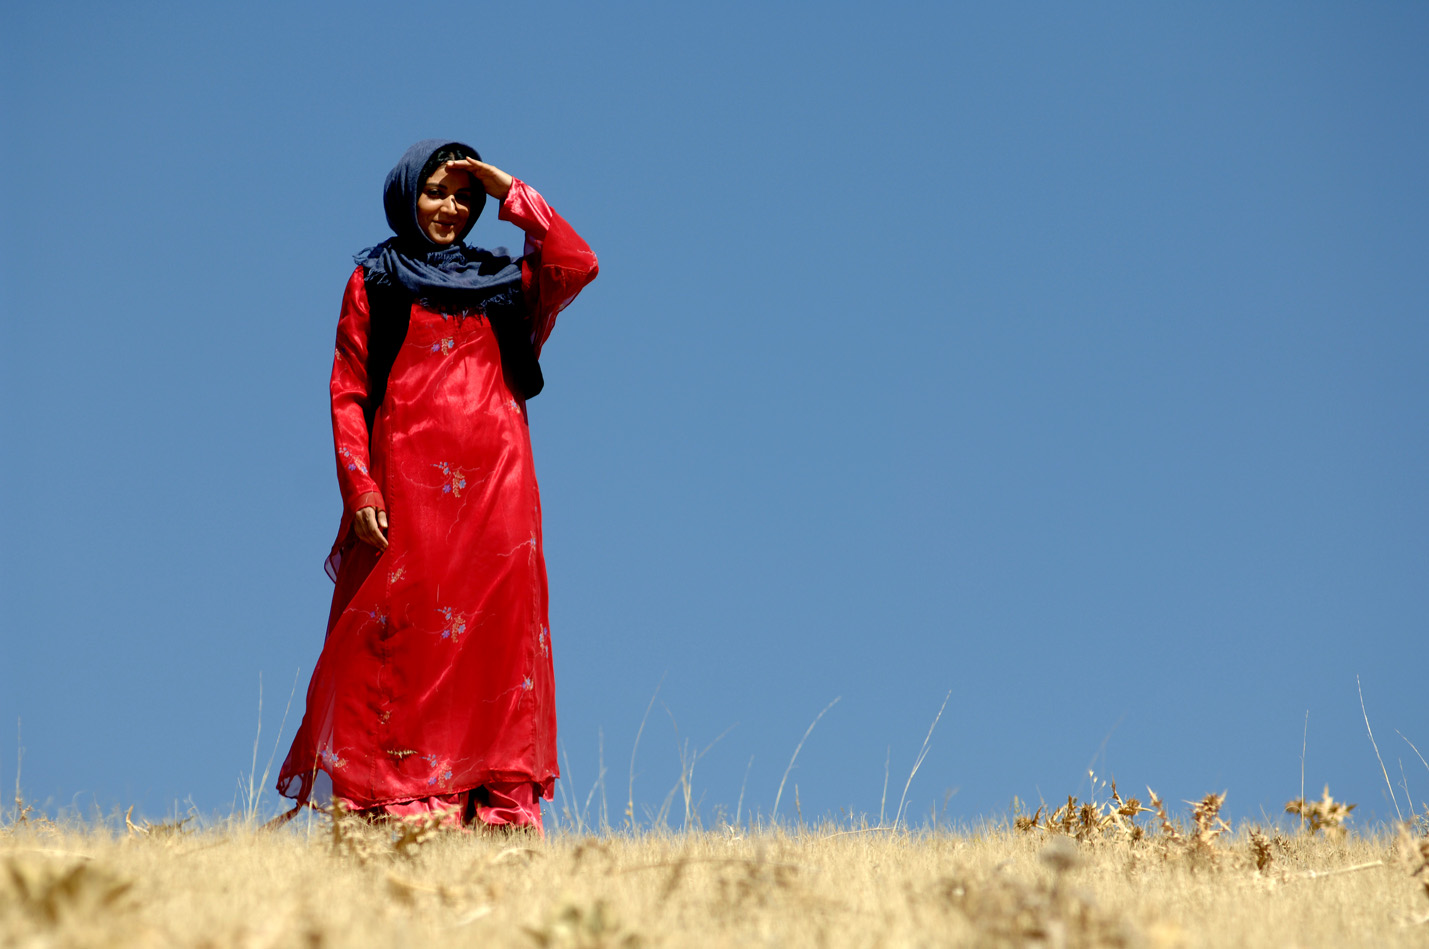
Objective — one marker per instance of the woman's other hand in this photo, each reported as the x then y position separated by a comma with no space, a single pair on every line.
496,182
371,526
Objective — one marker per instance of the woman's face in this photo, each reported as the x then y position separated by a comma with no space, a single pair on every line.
445,204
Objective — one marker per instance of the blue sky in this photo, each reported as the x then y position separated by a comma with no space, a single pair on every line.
1069,359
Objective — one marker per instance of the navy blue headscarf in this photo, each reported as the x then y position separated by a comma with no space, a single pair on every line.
450,276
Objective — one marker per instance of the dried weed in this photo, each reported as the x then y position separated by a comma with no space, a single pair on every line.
574,926
1326,814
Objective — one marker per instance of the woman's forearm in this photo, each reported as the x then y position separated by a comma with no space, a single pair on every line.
349,393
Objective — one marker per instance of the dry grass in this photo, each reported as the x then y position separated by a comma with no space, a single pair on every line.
1109,873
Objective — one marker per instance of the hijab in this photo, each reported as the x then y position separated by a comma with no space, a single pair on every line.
448,278
451,276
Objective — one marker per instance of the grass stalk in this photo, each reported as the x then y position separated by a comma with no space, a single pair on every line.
1304,743
918,763
1382,768
774,815
739,808
883,800
572,814
1411,745
630,798
256,787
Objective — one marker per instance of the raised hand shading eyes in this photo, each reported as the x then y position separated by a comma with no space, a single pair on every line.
496,182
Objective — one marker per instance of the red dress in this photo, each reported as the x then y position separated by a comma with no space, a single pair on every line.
434,686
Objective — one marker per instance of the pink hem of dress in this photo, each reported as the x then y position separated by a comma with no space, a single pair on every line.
499,804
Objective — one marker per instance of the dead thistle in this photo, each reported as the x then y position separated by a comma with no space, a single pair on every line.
1207,818
51,894
25,818
351,836
1414,852
1169,831
364,838
1088,821
1007,912
167,831
413,832
1064,818
1026,823
1326,814
1124,816
1260,851
576,928
1084,821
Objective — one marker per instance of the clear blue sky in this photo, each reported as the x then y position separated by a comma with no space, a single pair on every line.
1069,358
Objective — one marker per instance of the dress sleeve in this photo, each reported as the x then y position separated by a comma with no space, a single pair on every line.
350,402
557,263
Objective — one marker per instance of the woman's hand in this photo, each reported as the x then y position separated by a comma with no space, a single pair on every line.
371,526
496,182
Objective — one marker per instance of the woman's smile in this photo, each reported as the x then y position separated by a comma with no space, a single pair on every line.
444,205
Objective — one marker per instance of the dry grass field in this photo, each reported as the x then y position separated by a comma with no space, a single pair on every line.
1112,873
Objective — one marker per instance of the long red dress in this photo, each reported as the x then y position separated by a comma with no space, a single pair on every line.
434,686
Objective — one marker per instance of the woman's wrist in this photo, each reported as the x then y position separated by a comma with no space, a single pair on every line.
367,499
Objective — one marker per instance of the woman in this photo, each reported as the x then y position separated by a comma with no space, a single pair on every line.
433,692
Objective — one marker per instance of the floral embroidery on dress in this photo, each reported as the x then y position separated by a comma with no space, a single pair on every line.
526,684
394,575
444,345
440,773
330,758
456,623
353,464
544,641
528,542
455,478
377,615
